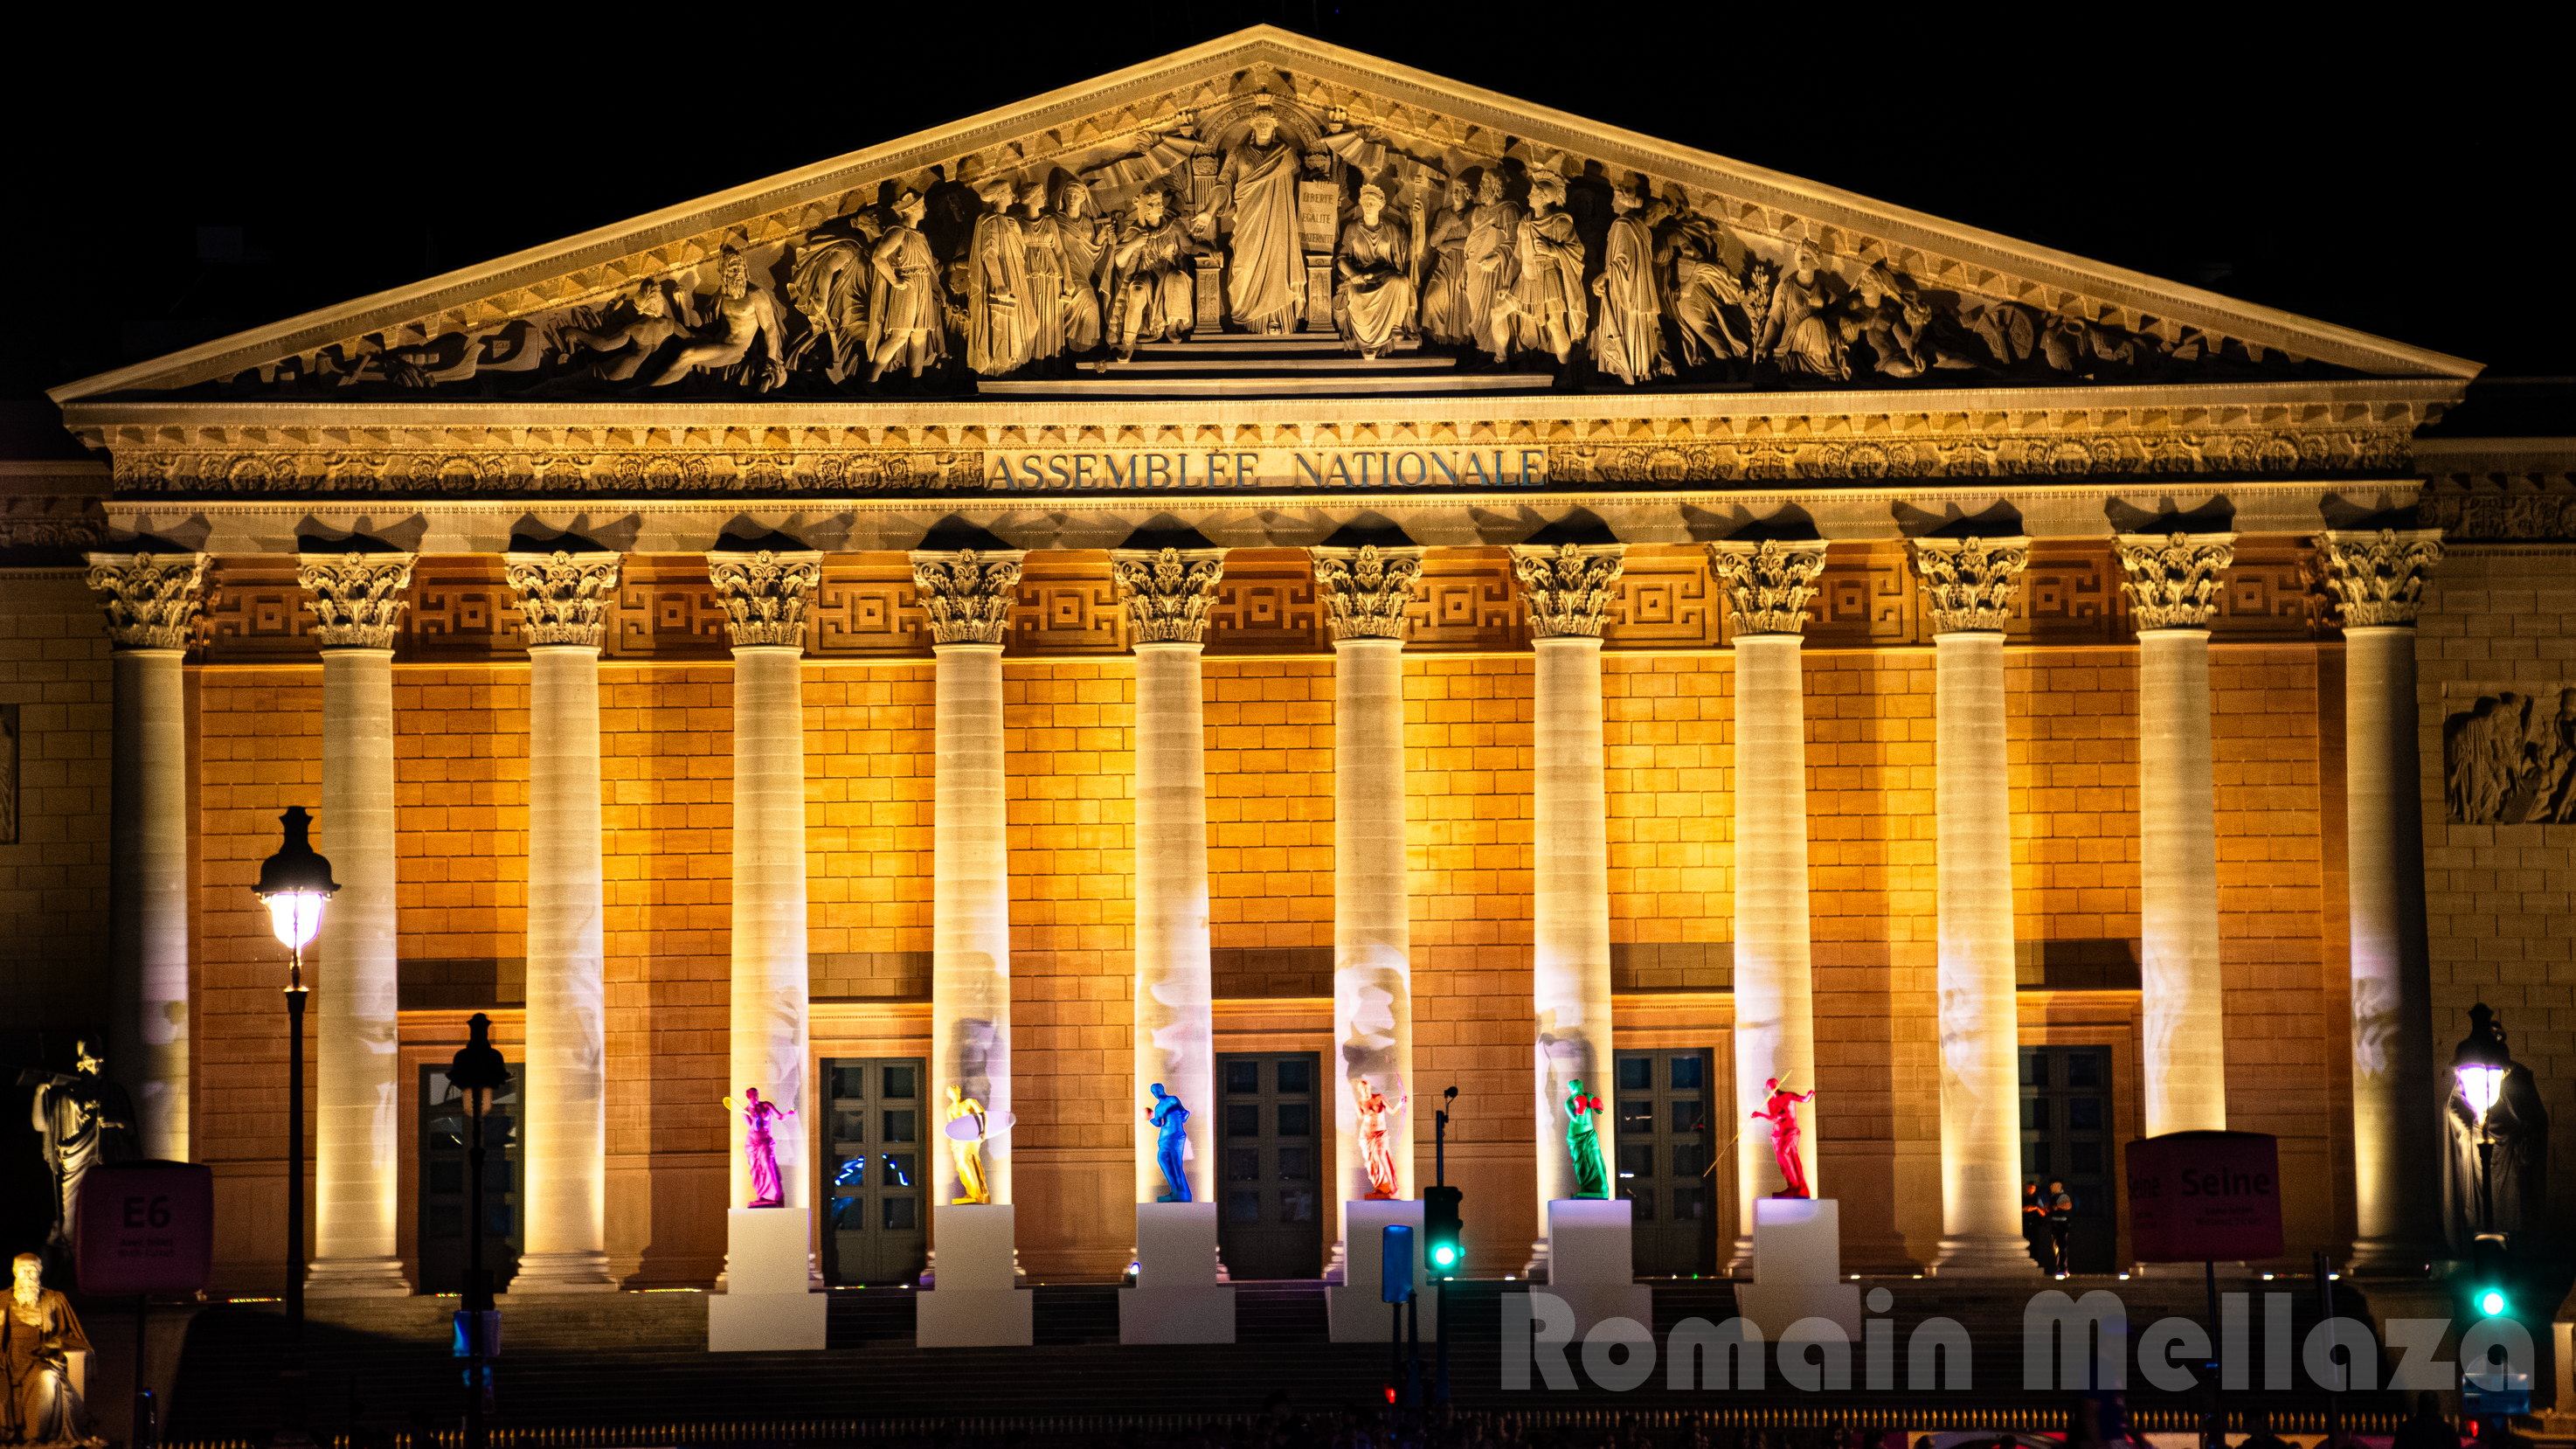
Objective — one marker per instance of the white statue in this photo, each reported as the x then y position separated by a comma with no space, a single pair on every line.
744,314
1264,261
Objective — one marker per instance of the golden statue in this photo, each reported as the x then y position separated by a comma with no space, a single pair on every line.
967,1129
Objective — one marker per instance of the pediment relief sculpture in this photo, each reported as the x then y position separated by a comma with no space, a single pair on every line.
1266,189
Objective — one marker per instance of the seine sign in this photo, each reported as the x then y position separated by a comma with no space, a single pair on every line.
2205,1197
146,1227
1156,470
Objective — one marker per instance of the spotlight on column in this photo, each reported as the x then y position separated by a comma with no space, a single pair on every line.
1441,1231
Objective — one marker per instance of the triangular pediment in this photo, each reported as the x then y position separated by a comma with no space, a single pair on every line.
1972,308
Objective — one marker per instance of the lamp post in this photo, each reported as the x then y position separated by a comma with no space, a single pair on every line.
294,883
2480,1065
477,1071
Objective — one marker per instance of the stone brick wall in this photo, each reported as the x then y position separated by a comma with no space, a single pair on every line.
56,703
2501,897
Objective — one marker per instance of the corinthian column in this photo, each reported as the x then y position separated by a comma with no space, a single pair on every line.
357,603
2376,580
1968,588
152,601
1767,587
967,596
2170,584
764,598
1365,590
1167,593
563,599
1567,589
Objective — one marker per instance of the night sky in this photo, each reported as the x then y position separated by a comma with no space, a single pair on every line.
2356,168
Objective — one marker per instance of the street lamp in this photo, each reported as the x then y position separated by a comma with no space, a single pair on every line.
294,883
2480,1065
477,1071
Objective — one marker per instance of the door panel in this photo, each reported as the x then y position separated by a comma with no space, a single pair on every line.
1665,1143
1272,1212
883,1133
2066,1118
445,1134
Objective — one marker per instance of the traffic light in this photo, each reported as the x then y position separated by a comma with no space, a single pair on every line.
2490,1275
1442,1246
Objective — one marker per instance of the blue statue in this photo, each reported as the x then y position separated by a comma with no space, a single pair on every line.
1167,1114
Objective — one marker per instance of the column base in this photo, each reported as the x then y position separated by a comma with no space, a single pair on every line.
1536,1269
563,1273
2394,1257
1985,1255
356,1278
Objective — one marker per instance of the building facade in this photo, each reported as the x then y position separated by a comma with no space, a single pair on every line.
1292,578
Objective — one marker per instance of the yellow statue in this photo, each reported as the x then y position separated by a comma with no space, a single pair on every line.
966,1132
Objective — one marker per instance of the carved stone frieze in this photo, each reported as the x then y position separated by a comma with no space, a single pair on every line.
2378,578
357,598
1568,589
1368,589
2510,759
152,600
966,595
764,595
1167,592
1267,602
564,596
1966,452
2172,582
1968,584
1768,583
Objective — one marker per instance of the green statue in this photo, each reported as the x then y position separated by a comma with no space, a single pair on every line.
1591,1178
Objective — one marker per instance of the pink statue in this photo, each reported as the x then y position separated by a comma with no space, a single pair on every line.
757,1146
1781,1111
1375,1155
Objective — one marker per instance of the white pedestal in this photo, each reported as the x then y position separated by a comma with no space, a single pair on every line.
1356,1308
1797,1270
975,1304
768,1303
1592,1265
1177,1298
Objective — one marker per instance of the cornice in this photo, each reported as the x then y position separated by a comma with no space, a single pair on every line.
1057,121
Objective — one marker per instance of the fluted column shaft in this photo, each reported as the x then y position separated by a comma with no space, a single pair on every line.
1567,591
764,596
1768,586
2376,580
359,1096
1968,587
1167,594
2170,583
564,1092
152,602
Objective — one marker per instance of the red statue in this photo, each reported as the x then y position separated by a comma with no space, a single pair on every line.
1781,1111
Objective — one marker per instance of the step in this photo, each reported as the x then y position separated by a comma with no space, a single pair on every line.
1341,384
1334,361
1246,342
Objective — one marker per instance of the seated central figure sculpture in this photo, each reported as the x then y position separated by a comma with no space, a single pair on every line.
1167,1114
1258,184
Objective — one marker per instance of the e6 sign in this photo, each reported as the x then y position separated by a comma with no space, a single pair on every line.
146,1227
2205,1196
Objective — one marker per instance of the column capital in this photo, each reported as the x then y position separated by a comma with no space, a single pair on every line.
563,595
1366,588
2377,578
1768,583
1567,587
764,594
1968,583
2172,578
152,599
357,597
966,593
1167,591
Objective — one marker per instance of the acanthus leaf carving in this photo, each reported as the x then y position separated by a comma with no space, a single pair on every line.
1968,584
967,595
1568,588
764,595
2172,582
2374,579
563,596
1167,591
1367,588
1768,583
357,597
152,600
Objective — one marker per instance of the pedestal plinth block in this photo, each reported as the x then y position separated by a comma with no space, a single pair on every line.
974,1304
767,1303
1356,1307
1177,1298
1797,1269
1592,1263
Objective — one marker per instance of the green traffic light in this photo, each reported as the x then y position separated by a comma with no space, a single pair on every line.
1445,1255
2491,1303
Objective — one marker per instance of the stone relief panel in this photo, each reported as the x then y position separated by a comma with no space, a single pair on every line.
1466,600
1067,604
1266,603
1864,597
2265,594
2510,759
256,611
1664,600
462,608
866,604
665,608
